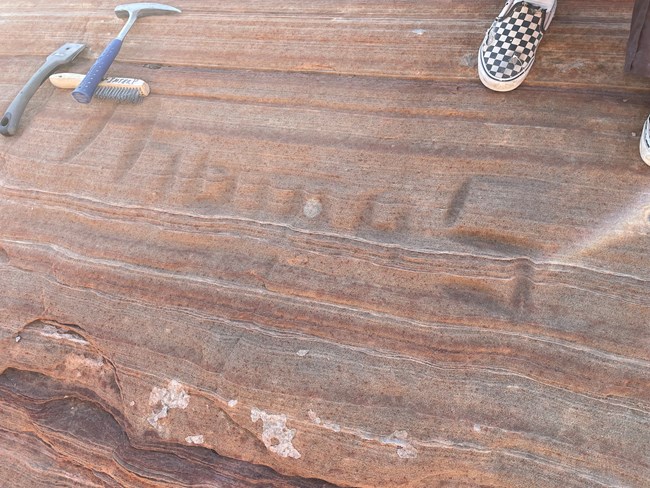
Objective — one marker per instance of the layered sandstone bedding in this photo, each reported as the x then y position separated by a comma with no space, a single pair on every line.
321,253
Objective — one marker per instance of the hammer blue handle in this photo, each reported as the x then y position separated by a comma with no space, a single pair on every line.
84,92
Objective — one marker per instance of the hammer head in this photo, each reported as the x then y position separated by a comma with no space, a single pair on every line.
144,9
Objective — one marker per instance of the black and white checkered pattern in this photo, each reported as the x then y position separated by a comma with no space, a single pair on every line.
508,49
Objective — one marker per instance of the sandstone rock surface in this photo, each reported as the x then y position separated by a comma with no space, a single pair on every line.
322,254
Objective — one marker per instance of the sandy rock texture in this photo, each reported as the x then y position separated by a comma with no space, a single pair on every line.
320,253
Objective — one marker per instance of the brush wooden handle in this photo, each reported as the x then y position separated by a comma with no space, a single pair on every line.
70,81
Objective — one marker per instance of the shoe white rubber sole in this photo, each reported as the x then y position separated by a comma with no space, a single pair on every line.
500,85
644,147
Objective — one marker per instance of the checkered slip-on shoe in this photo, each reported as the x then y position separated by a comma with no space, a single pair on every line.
644,144
508,50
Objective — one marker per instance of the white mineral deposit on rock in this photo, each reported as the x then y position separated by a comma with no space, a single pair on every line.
174,396
194,439
276,436
312,208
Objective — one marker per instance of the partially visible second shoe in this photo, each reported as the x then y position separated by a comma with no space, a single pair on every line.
508,50
644,144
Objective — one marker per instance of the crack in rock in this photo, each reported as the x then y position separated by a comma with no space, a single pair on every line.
53,332
275,434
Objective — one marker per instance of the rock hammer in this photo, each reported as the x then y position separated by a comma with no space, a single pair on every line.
64,55
86,89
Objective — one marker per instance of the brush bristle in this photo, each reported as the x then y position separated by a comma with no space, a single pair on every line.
122,94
